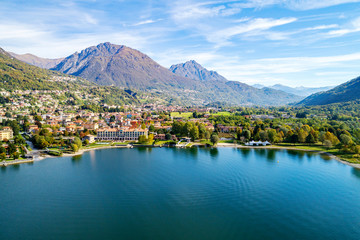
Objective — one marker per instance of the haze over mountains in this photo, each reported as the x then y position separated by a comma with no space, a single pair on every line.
37,61
301,91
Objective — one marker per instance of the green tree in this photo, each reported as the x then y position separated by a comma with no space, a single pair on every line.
2,156
194,133
150,138
15,155
302,134
74,147
272,135
142,139
12,148
214,139
151,128
78,142
346,139
310,139
328,144
207,135
202,131
168,136
2,149
247,134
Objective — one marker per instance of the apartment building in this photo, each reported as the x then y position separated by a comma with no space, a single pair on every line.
121,134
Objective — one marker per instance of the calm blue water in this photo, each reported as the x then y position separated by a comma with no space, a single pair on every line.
181,194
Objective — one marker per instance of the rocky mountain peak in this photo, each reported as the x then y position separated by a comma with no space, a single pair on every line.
192,69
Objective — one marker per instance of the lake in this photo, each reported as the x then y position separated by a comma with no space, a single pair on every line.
168,193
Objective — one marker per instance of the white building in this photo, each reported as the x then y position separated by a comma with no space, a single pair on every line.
259,143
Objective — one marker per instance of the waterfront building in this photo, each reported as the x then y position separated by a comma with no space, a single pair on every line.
121,134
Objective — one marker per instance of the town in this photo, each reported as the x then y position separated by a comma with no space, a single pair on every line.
38,123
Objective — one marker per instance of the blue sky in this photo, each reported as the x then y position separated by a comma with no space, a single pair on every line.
292,42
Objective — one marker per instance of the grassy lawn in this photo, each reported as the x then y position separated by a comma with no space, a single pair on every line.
221,114
162,142
185,115
226,141
204,141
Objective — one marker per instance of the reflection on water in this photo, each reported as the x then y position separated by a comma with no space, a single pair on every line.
271,155
325,157
214,153
295,153
245,152
356,172
261,152
15,167
76,159
194,151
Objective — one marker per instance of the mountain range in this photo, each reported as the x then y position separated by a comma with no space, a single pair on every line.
301,91
188,83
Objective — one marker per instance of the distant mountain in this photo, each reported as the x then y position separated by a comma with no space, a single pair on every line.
259,86
248,93
192,69
37,61
244,93
18,75
300,91
118,65
345,92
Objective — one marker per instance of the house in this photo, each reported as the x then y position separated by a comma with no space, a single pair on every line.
90,138
161,137
33,128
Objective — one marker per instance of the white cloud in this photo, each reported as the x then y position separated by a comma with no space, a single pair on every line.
26,38
300,5
149,21
352,27
252,27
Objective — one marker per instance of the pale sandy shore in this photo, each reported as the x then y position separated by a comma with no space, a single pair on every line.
80,152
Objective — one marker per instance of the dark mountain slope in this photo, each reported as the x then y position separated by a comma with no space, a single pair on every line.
17,75
345,92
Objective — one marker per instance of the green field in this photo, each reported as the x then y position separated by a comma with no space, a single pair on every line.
184,115
221,114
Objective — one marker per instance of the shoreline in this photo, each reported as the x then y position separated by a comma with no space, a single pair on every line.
332,156
82,151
